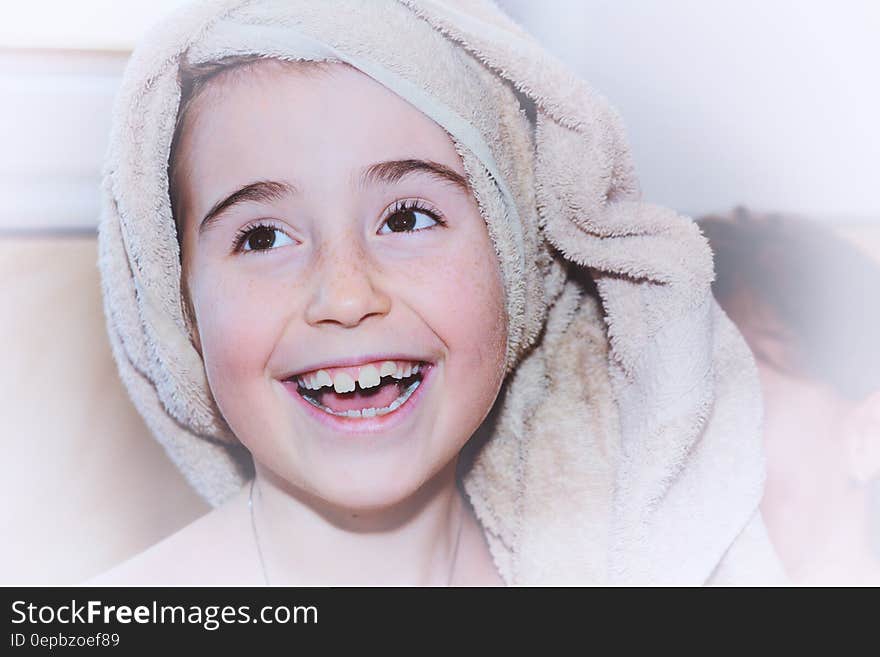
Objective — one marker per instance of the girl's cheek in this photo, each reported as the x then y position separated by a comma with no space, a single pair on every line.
467,303
239,320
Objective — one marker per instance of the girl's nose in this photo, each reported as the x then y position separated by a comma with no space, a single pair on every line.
346,288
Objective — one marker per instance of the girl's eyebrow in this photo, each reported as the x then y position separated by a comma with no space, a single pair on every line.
388,172
394,170
262,190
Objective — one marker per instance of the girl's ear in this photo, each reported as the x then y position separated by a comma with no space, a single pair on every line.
863,440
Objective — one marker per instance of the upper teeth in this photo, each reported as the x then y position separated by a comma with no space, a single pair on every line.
368,376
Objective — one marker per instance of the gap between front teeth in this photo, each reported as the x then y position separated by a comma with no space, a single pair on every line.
368,377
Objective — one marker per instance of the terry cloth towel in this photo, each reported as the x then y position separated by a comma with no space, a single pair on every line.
626,445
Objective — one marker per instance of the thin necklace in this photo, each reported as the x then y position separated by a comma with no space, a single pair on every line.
254,528
263,561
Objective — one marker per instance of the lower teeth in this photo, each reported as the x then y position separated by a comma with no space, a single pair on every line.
369,412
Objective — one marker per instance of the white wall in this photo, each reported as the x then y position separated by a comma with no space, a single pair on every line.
54,125
772,104
61,62
78,24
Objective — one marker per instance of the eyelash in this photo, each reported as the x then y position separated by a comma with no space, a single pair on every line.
416,204
400,206
244,233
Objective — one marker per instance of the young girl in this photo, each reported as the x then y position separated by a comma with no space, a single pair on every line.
377,276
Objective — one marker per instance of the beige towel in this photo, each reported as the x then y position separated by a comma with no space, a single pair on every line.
626,447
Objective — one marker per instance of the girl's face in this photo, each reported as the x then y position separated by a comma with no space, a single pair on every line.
338,233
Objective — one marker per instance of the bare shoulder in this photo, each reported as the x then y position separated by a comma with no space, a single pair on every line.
212,550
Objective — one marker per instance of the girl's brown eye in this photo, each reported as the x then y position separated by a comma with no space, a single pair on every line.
402,220
410,219
263,238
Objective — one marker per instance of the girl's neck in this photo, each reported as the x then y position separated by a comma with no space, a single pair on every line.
305,540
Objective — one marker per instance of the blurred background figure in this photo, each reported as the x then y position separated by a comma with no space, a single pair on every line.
808,304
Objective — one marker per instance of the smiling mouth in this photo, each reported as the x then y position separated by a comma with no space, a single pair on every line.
379,400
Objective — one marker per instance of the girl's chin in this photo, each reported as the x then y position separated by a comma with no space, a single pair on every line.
336,490
379,487
369,499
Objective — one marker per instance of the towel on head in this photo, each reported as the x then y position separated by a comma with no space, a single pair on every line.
626,443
